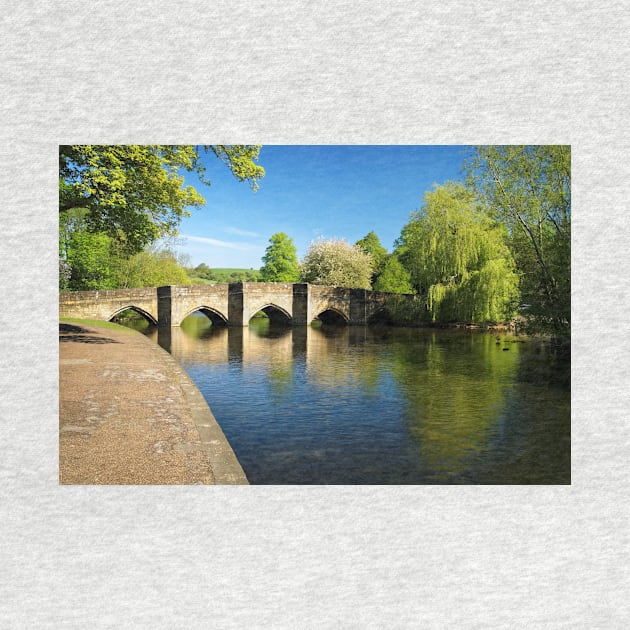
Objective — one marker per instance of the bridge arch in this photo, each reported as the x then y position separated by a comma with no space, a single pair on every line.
137,309
332,316
216,317
276,314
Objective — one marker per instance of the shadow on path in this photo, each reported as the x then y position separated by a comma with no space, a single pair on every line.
69,332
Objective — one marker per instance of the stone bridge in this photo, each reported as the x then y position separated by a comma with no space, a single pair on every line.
232,304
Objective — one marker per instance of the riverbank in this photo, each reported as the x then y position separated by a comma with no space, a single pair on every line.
129,414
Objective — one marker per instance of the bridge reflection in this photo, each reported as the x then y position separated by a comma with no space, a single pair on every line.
258,344
320,351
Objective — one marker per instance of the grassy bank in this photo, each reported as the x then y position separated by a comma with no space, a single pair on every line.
99,323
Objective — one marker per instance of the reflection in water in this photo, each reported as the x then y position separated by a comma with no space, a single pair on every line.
382,405
456,413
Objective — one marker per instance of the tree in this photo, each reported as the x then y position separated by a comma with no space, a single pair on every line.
394,278
371,244
90,260
280,260
93,260
337,263
135,193
528,189
150,268
458,259
203,271
87,256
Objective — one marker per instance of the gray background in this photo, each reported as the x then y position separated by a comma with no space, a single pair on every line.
306,72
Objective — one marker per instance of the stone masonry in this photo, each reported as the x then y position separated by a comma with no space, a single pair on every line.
232,304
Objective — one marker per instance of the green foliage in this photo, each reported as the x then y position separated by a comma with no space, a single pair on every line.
494,291
238,275
458,258
202,274
91,262
405,312
394,278
154,268
528,189
337,263
371,244
251,275
96,261
135,193
202,271
280,260
115,201
85,257
132,193
240,159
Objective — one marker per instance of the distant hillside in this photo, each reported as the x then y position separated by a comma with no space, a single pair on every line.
202,274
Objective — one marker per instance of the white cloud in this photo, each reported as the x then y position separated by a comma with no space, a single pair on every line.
216,243
238,232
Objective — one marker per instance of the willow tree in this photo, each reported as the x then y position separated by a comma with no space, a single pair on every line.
528,189
458,259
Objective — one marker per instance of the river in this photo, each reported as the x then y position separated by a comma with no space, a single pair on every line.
358,405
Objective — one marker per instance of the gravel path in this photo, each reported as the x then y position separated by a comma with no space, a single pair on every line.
129,414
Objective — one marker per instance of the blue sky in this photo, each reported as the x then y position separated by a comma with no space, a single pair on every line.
312,191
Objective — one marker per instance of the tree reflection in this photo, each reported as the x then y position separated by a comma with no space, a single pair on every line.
455,390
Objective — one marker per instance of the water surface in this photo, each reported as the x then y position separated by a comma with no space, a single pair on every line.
357,405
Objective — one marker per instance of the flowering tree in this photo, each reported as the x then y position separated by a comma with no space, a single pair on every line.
337,263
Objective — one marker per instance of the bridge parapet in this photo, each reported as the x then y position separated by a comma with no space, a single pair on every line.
234,304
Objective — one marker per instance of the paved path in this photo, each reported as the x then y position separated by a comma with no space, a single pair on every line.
129,414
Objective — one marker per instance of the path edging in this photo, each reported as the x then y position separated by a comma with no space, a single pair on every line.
223,461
